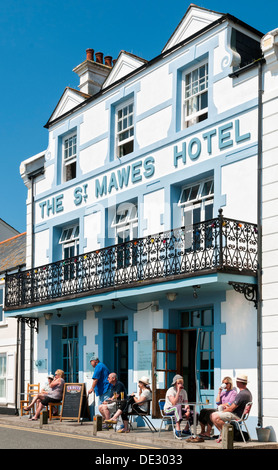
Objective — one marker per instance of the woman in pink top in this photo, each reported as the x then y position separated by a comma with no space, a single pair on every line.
226,394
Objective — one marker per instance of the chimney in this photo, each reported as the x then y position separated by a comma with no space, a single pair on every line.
99,57
108,61
93,73
90,54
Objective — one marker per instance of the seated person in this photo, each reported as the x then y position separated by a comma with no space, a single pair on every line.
108,407
226,395
235,410
42,393
54,395
139,401
176,404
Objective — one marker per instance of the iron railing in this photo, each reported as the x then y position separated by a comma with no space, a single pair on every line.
217,244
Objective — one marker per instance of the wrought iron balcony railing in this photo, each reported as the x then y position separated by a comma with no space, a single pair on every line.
217,244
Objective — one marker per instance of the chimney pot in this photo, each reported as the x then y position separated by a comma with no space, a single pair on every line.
108,60
99,57
90,54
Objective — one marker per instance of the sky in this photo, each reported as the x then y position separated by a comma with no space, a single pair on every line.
41,41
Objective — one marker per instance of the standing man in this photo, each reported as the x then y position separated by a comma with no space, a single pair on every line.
100,380
108,407
235,410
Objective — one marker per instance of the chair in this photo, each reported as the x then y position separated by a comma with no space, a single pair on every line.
32,390
50,407
242,421
143,414
167,418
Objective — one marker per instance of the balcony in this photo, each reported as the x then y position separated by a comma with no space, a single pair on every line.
219,244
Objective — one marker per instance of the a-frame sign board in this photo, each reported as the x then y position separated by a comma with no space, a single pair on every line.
75,403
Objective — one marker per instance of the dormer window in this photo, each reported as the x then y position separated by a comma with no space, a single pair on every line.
69,157
195,95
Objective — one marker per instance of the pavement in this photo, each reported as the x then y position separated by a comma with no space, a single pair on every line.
141,436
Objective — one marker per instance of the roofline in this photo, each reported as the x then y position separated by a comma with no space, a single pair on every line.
12,238
222,19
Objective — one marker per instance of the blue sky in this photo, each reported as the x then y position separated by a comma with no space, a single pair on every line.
41,41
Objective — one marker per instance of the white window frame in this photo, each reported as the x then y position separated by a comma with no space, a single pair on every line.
2,317
126,219
69,154
192,95
195,200
70,237
123,112
4,375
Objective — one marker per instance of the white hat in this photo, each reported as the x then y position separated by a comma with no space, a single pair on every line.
50,376
242,378
177,377
145,380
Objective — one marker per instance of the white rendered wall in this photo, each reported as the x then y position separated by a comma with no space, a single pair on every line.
270,249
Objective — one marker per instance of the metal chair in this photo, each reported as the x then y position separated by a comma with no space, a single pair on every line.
143,414
242,421
167,418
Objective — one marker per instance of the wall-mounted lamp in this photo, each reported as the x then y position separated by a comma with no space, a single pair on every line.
97,308
195,295
48,316
59,310
171,296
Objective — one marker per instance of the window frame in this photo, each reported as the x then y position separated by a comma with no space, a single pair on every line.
2,317
120,144
69,240
70,160
189,119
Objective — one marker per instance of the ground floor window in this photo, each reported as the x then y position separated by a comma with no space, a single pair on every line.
3,373
70,355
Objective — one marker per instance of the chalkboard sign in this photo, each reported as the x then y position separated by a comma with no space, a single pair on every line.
75,404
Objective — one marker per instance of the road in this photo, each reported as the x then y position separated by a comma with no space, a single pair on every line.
19,437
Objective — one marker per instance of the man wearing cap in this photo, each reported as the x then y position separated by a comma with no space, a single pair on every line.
176,404
100,380
235,410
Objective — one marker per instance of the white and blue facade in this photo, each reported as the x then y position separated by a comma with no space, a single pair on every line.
142,216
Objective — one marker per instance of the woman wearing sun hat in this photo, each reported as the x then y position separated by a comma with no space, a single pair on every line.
142,396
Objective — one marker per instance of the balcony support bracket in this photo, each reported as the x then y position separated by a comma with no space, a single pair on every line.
31,322
249,291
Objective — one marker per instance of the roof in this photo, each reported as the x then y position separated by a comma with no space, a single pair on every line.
221,19
13,252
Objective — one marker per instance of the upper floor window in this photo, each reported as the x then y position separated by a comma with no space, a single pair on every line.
69,240
124,129
1,304
196,95
69,157
125,222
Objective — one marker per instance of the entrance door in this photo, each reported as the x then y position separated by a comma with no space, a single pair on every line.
70,353
121,350
166,363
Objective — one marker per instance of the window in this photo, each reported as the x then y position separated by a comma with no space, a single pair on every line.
196,201
1,304
69,157
196,95
69,240
3,373
124,130
125,223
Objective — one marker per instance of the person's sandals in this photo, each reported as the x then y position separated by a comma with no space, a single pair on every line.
110,421
195,439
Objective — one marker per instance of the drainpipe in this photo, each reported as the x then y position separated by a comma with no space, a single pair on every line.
259,222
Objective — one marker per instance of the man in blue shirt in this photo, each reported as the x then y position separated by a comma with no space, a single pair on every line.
100,380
